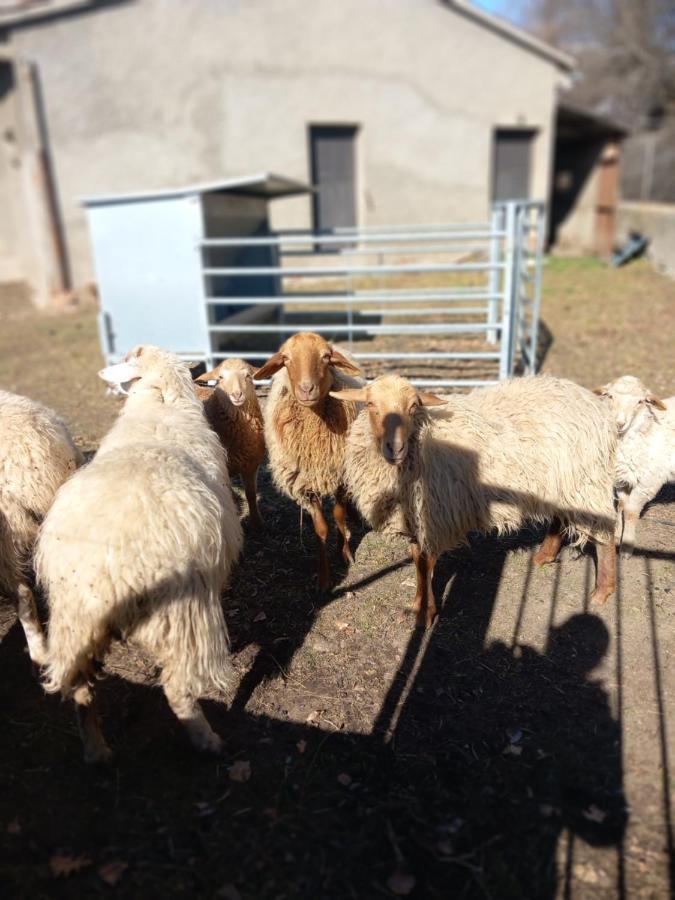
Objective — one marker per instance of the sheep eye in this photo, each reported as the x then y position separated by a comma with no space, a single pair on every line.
413,408
326,357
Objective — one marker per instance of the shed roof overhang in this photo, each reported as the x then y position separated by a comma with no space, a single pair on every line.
265,184
573,123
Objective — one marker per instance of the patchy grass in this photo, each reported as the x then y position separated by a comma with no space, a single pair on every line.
518,749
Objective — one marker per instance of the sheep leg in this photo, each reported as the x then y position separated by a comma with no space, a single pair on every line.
189,713
250,480
340,516
632,507
86,711
27,613
424,604
623,499
605,583
321,529
548,552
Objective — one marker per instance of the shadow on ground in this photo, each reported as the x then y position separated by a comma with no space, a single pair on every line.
478,759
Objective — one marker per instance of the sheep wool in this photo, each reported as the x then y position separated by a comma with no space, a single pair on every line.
139,544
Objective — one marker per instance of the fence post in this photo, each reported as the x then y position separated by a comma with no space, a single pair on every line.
496,224
536,299
507,291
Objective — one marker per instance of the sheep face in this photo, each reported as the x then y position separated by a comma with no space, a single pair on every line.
631,401
150,371
308,359
235,378
392,403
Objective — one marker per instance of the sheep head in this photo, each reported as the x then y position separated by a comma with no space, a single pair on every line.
630,400
308,359
235,378
151,372
392,403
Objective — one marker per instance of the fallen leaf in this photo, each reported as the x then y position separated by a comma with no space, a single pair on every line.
229,892
260,617
14,827
240,770
314,716
302,746
594,814
112,871
512,750
344,779
63,866
401,883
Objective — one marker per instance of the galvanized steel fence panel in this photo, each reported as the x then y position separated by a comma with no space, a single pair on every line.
489,286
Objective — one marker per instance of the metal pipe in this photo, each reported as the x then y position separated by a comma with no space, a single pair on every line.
431,328
348,239
345,271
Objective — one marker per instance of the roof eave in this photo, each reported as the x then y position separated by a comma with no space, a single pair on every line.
563,60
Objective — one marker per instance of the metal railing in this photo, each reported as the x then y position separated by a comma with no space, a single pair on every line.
468,318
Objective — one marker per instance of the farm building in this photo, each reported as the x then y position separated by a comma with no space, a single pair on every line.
413,111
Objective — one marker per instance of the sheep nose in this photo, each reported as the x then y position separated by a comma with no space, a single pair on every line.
395,448
306,387
237,396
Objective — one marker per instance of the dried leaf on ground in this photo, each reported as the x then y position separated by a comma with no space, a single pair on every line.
62,865
112,871
240,770
344,779
594,814
401,883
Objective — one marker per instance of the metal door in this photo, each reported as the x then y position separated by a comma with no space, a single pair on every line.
333,175
511,165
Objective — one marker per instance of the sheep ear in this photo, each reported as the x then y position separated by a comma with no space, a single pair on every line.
427,399
653,400
601,391
350,395
341,362
273,364
122,373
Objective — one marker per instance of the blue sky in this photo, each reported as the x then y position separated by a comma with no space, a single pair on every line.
500,7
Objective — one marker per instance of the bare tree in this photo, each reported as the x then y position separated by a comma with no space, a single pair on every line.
625,50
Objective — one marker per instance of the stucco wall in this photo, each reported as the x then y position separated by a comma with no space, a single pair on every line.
157,93
657,222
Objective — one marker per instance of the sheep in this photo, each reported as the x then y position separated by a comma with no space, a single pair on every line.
530,449
37,454
233,411
138,545
306,431
645,458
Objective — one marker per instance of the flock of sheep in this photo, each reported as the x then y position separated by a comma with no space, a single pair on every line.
138,544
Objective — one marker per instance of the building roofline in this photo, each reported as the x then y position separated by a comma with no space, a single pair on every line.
512,32
263,184
20,12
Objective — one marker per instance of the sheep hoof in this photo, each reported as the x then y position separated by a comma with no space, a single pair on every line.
544,559
347,554
600,596
98,755
210,743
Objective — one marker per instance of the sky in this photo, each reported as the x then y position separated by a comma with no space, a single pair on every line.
500,7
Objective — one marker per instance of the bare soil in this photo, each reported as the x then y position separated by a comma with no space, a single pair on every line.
522,747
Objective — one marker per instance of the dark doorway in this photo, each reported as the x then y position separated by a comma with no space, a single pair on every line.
333,168
511,164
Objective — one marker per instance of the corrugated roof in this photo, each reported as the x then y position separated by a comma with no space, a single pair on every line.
265,184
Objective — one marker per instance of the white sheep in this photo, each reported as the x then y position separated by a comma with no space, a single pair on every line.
645,457
233,411
531,449
37,454
139,544
306,430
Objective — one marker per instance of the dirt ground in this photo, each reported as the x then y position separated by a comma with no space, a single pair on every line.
521,748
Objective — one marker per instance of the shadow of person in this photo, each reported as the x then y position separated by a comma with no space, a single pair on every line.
518,746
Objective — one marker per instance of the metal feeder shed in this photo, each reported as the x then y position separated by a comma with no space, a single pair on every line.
151,252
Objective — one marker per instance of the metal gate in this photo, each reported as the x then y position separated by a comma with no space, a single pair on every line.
449,306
